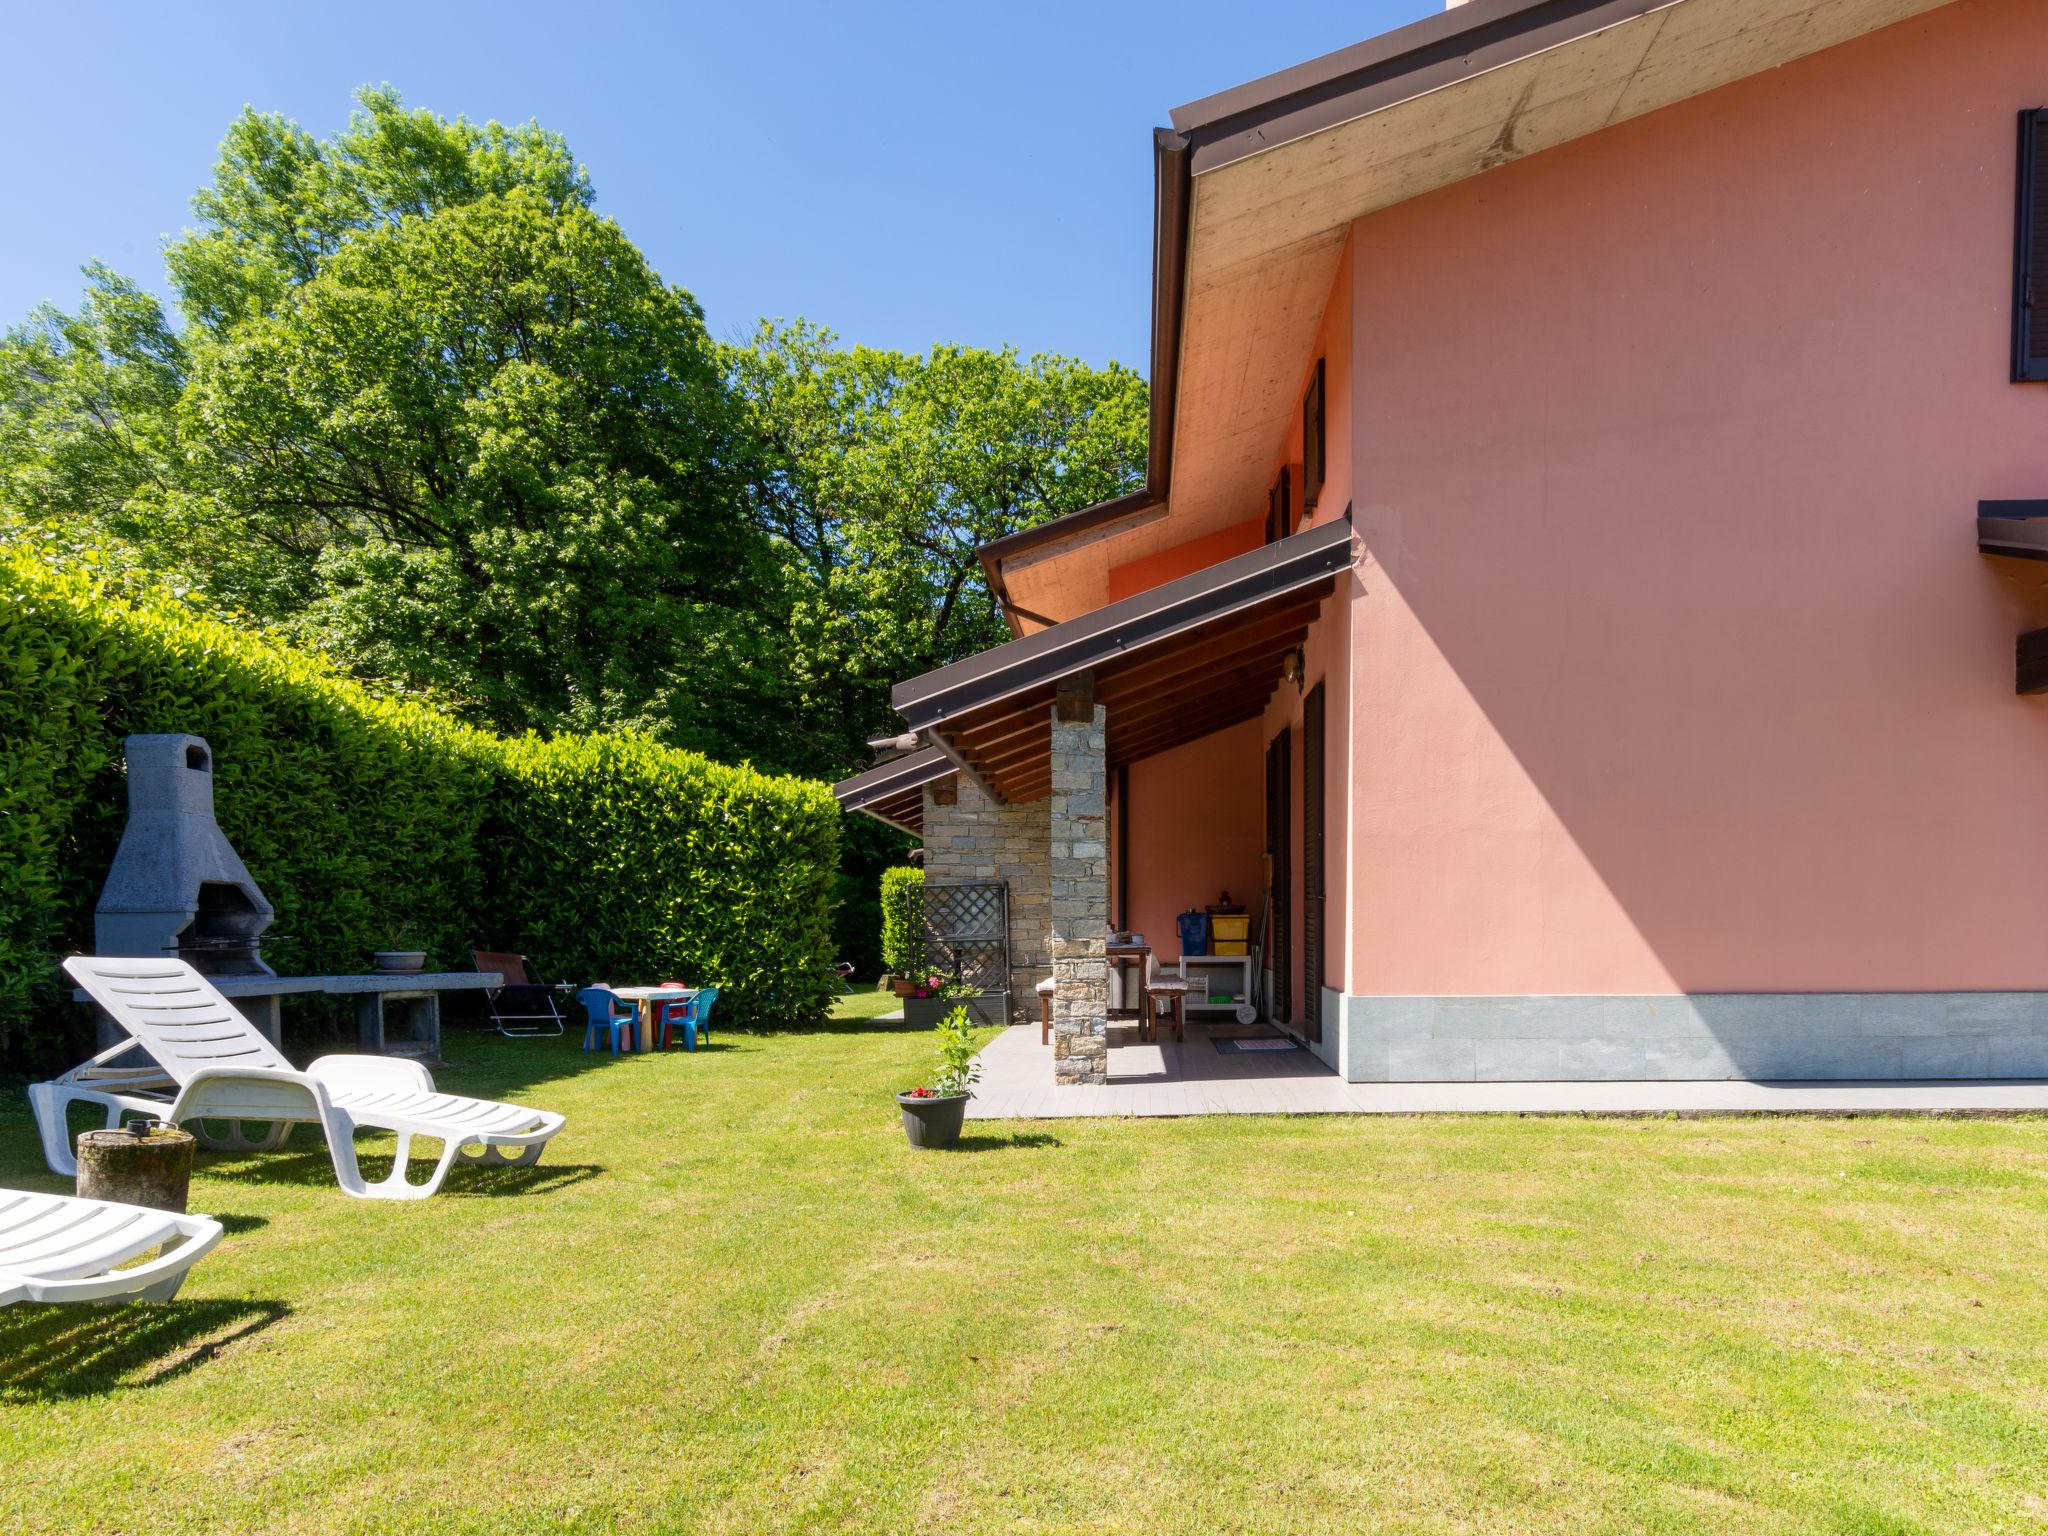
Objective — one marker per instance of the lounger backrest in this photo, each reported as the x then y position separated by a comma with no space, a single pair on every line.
511,967
175,1014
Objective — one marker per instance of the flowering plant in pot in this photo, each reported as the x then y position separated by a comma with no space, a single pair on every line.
934,1112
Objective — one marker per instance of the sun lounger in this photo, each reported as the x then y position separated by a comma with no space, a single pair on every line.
207,1062
57,1248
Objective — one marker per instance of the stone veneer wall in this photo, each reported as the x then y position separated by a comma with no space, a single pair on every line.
1079,865
967,836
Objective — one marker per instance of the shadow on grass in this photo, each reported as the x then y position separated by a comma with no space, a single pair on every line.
313,1168
49,1353
1016,1141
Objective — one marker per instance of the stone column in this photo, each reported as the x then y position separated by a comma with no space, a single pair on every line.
1079,866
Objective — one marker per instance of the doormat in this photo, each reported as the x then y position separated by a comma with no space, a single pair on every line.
1266,1043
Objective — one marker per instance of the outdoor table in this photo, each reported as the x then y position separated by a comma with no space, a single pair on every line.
644,999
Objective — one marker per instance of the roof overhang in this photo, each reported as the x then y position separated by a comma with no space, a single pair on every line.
894,791
1169,665
1270,176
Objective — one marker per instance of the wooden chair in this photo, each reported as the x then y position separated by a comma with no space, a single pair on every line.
1166,996
1045,1011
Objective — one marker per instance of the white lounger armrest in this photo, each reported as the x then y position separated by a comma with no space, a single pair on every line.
134,1283
59,1248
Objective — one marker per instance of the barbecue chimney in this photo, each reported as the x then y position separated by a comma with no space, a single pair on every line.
177,886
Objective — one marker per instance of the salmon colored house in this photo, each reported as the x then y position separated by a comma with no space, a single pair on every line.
1553,607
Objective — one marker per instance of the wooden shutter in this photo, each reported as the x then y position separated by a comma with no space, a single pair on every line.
1280,508
1312,864
2030,256
1312,442
1280,871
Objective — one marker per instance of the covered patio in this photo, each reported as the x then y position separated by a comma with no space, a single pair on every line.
1024,775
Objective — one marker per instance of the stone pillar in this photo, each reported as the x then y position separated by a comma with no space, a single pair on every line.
1079,866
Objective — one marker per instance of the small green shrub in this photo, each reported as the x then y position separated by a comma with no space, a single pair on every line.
955,1070
600,857
903,921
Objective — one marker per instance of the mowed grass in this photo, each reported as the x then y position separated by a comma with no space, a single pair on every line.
732,1299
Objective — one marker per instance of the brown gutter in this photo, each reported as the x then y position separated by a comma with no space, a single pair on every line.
1410,61
1171,184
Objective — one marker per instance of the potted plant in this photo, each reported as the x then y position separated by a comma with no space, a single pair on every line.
397,957
933,1113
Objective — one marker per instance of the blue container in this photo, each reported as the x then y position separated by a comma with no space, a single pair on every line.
1194,933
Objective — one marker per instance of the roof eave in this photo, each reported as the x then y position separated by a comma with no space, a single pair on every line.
927,702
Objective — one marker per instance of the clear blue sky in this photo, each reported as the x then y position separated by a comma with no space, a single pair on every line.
971,171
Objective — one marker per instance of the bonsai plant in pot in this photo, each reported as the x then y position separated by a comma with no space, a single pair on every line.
933,1113
398,955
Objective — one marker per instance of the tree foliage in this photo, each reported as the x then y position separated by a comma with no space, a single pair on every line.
486,451
883,472
428,411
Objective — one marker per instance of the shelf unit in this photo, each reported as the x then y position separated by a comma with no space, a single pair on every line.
1234,972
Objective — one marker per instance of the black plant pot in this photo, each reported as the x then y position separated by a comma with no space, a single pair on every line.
933,1121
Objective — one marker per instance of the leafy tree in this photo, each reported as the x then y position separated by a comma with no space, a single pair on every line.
87,410
881,473
486,450
88,401
282,202
431,413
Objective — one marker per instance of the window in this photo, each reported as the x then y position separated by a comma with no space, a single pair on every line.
2030,256
1312,440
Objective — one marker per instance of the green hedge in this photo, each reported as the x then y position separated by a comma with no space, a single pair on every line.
903,921
366,818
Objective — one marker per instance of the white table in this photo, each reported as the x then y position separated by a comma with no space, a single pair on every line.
644,999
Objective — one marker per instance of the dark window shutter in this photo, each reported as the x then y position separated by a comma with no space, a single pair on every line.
1312,440
1280,508
2030,255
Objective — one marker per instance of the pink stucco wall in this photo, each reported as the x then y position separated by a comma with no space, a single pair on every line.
1197,828
1675,668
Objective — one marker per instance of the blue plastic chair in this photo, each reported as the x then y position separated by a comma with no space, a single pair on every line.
609,1013
692,1015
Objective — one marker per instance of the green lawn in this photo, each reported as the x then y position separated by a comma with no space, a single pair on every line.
732,1299
868,1001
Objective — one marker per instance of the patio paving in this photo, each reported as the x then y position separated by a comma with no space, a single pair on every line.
1167,1078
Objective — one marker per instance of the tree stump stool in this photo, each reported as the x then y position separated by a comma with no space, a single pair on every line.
153,1169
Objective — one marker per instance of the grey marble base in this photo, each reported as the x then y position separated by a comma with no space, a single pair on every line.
1754,1036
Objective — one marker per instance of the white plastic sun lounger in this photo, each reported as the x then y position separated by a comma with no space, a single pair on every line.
61,1248
210,1063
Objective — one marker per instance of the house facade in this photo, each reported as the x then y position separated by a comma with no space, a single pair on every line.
1560,606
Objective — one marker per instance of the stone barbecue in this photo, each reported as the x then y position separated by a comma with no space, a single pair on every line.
177,887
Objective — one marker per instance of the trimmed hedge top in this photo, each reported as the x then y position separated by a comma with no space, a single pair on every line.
374,823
